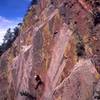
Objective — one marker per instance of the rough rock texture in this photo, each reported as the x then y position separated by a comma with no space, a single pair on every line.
79,84
59,41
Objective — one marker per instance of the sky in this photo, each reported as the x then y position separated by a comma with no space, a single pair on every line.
11,13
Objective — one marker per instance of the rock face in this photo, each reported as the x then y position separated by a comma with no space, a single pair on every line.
59,41
79,84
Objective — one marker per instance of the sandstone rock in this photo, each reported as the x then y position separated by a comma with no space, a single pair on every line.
79,85
47,46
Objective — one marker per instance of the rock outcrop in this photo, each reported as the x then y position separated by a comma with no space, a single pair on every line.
59,41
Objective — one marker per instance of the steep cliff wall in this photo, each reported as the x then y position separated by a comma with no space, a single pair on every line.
59,41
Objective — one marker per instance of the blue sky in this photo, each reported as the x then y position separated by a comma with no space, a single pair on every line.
11,13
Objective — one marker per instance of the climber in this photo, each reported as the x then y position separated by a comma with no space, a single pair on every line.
38,80
25,93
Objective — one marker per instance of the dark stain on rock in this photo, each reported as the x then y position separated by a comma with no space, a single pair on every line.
97,50
75,22
65,4
97,3
80,49
96,18
28,95
38,41
37,47
55,33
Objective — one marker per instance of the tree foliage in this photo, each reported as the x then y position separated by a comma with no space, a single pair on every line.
9,38
34,2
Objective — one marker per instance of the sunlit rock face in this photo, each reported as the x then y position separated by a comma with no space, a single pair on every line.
79,84
59,41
